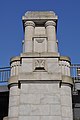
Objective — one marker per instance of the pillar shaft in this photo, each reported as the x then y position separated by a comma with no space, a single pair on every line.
51,33
29,32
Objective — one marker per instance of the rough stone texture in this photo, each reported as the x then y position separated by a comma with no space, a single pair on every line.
66,102
13,118
40,31
29,118
13,103
40,44
67,118
14,91
27,65
40,88
40,118
40,100
38,14
13,111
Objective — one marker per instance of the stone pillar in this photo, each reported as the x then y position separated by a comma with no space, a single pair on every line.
51,33
29,31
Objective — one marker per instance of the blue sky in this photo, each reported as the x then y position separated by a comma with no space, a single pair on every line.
11,29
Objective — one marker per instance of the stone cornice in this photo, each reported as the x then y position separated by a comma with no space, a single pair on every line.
40,55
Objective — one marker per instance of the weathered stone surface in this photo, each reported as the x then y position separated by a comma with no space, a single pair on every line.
13,111
50,117
66,111
34,109
66,101
41,89
65,90
14,91
39,15
14,101
42,99
55,110
13,118
29,117
67,118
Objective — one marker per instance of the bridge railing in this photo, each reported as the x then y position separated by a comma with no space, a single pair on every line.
4,74
75,71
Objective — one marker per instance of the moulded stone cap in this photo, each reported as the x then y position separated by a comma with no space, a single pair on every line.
35,55
29,23
13,59
40,15
65,58
50,23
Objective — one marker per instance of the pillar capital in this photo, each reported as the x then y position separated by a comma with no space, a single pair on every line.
50,23
29,23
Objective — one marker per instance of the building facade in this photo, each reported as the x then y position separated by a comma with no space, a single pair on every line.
40,84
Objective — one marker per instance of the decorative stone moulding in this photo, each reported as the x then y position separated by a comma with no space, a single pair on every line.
65,58
39,44
50,23
29,23
39,63
13,59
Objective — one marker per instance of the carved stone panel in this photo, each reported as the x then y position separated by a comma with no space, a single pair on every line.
39,45
39,64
